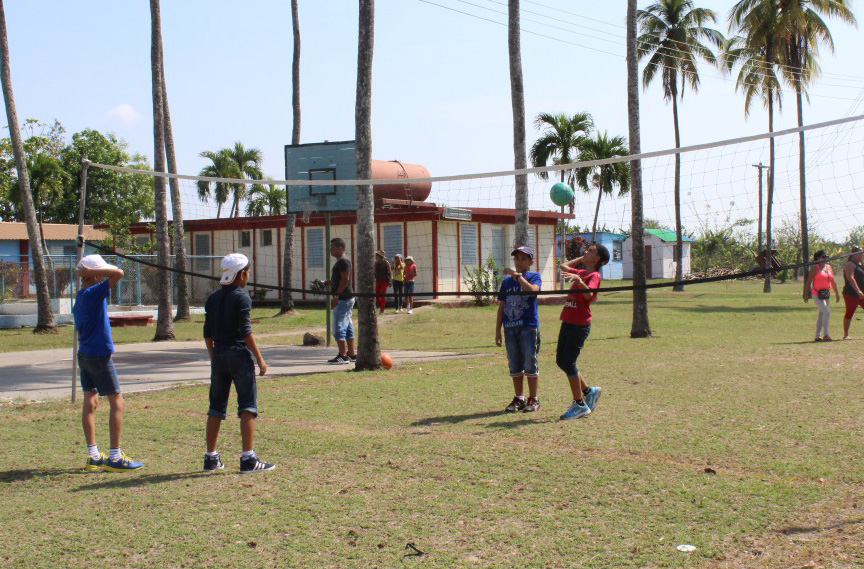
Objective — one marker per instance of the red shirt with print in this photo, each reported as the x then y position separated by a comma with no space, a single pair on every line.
577,307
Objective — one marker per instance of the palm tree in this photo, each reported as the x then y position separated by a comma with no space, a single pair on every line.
45,317
640,327
248,162
265,200
517,100
803,31
369,351
46,184
607,177
559,141
756,50
182,282
673,32
221,165
287,305
164,324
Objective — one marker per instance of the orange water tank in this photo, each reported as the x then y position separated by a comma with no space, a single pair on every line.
414,191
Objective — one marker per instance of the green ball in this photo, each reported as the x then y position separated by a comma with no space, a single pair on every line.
561,194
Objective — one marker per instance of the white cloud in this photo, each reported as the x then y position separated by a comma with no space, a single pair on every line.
125,114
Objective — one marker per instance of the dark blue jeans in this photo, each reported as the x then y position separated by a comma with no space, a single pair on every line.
397,290
571,340
232,365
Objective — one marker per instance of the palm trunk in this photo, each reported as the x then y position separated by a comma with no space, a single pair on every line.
679,270
596,214
517,99
164,324
180,279
45,317
369,352
287,306
802,178
768,245
640,327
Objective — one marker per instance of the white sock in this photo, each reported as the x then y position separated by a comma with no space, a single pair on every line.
93,451
211,454
247,454
115,454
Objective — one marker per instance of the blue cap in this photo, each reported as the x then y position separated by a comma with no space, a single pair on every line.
523,249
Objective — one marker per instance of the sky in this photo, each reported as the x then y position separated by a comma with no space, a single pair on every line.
441,91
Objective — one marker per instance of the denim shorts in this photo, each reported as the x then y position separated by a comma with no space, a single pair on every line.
343,327
571,340
523,345
232,365
409,288
98,374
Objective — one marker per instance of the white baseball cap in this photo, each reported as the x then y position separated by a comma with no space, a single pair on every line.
93,262
231,265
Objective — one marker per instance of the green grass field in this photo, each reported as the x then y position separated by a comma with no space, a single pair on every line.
728,430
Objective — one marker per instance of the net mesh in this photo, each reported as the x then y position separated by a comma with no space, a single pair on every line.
466,226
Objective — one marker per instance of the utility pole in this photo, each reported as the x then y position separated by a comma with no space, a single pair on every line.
759,229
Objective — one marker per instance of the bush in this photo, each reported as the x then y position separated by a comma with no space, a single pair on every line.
482,281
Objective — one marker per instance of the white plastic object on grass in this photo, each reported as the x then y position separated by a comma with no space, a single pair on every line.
686,548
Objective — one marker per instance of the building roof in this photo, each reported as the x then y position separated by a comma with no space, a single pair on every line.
667,235
17,231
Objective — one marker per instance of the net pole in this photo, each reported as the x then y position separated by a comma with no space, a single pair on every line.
329,268
79,252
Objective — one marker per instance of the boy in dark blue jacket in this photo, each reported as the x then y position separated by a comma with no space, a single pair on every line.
229,339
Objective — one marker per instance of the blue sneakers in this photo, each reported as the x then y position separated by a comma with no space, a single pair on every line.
575,411
124,464
592,396
94,464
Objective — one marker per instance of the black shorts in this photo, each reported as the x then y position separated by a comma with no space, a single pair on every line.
232,365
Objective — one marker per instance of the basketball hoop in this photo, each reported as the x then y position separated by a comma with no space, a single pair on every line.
308,210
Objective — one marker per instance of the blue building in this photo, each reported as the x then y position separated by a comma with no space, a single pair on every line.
612,241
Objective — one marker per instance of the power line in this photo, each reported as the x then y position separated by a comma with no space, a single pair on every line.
531,32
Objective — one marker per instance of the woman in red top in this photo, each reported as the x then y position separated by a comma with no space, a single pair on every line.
576,325
819,283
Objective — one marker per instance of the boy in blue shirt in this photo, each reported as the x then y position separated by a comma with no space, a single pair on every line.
517,313
98,376
229,340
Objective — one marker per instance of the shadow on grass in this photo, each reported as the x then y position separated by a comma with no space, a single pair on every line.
132,480
519,423
798,530
20,475
740,309
453,419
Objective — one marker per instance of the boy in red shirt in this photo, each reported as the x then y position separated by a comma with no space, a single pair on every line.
576,325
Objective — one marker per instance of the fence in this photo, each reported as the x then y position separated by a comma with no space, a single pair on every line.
138,286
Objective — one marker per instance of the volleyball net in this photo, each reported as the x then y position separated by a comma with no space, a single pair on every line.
460,229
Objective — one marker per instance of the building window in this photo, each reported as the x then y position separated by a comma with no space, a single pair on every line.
202,252
245,239
392,237
266,237
497,251
617,250
315,248
468,243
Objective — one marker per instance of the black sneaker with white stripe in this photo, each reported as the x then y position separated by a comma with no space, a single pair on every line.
253,464
339,360
212,463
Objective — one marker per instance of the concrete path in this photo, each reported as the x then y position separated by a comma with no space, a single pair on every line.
47,374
